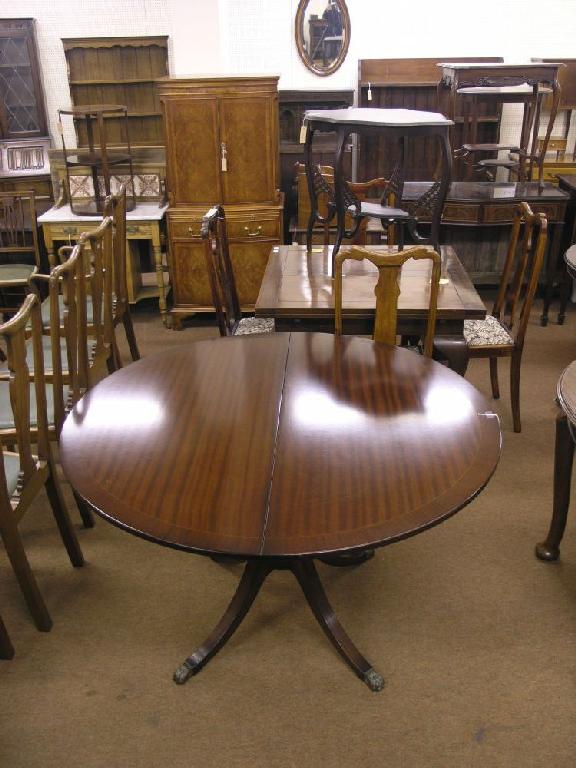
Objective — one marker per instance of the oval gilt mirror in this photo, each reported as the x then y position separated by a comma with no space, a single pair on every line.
322,34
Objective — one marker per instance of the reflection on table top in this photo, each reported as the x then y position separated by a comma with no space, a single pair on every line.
297,283
490,191
280,444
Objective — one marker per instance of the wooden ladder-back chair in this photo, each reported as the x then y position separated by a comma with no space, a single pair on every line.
19,247
24,474
503,333
115,206
222,281
387,289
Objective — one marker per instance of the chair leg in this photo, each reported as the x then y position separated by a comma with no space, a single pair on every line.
67,533
130,335
549,549
515,361
494,378
85,511
23,571
6,647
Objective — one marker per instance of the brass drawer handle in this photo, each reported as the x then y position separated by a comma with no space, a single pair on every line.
254,232
70,230
191,231
132,230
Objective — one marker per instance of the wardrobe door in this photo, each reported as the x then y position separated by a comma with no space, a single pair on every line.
249,148
192,150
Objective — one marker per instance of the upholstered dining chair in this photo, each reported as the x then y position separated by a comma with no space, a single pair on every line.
503,333
23,473
19,248
115,206
6,647
222,281
387,289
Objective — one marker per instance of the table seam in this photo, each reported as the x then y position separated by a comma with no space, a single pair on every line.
274,451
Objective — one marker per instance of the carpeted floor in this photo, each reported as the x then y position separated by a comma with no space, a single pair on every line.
476,638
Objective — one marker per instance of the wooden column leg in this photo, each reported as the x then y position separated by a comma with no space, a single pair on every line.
85,511
253,577
23,571
551,270
6,647
305,572
67,533
454,350
549,549
159,268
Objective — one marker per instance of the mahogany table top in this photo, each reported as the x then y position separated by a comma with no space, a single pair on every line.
280,445
374,116
566,392
298,284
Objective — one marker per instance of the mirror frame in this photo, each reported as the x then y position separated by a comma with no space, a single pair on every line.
303,53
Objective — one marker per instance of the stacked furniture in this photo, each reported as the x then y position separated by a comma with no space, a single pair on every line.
119,70
221,149
410,84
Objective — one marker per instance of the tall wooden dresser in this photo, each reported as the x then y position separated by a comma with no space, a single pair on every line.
221,148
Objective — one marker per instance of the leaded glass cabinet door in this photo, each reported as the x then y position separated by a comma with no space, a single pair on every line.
22,113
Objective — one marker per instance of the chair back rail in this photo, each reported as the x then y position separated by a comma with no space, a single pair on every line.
524,261
15,333
18,230
220,271
387,290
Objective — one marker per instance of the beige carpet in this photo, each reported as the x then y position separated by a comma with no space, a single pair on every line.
475,637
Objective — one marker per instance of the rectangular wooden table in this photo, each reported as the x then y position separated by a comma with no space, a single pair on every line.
297,292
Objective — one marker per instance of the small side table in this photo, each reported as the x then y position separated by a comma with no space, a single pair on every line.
464,75
549,549
142,223
398,124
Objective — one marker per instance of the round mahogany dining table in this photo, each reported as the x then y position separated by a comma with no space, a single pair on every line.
277,450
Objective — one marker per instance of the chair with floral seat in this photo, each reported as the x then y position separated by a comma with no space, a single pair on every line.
222,281
503,333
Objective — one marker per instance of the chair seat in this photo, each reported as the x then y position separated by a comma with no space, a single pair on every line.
381,211
12,470
16,273
6,416
570,259
249,325
45,308
487,333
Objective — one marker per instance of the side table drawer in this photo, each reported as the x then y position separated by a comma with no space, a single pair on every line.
461,213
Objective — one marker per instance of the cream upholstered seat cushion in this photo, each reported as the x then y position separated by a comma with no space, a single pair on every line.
250,325
487,333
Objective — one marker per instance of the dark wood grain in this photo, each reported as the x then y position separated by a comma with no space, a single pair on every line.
279,445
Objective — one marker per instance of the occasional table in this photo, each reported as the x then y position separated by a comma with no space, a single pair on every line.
297,291
457,77
280,449
549,549
398,124
142,223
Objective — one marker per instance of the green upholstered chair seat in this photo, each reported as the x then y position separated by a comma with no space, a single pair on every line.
12,470
45,309
6,416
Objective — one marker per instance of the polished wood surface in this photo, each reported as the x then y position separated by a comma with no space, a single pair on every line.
280,445
298,285
222,141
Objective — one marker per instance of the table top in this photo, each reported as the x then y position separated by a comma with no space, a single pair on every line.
141,212
490,191
567,180
373,116
298,284
566,391
499,65
283,444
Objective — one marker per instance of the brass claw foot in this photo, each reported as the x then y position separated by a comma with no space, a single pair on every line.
374,680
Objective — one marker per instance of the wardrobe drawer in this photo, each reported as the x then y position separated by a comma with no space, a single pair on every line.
253,228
